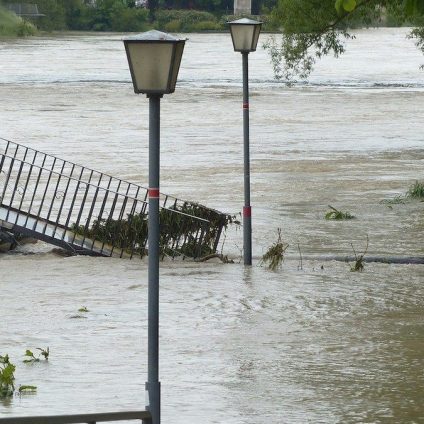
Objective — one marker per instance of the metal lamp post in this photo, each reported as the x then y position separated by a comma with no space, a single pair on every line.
154,60
245,34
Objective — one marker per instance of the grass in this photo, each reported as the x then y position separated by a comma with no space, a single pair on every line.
416,191
398,200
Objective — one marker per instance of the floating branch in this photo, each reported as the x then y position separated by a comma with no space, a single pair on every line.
274,256
358,266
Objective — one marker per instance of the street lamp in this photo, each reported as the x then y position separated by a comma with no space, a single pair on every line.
245,34
154,60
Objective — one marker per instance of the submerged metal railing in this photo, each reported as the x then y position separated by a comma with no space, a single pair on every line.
89,212
142,416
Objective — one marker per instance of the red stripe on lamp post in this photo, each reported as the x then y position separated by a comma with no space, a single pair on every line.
154,193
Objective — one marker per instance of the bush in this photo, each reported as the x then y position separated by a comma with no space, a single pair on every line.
129,19
55,17
12,25
173,26
206,26
187,20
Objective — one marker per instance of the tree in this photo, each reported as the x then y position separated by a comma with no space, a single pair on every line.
314,28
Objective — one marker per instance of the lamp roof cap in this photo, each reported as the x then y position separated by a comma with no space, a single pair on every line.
245,21
152,35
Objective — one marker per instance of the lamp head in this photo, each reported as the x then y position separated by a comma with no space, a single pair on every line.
245,34
154,60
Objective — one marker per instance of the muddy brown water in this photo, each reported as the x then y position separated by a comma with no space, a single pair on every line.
319,344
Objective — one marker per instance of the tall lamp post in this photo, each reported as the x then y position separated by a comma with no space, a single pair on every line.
245,34
154,60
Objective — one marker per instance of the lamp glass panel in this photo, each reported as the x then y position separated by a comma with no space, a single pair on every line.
256,37
242,37
151,64
179,47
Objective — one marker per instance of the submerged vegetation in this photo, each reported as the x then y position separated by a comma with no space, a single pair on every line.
337,215
181,233
30,358
416,191
7,379
358,266
274,256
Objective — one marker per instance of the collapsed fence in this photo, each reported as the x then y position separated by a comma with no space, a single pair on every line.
89,212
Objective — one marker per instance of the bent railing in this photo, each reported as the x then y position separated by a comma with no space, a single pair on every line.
89,212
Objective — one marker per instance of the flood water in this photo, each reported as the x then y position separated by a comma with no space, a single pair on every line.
312,342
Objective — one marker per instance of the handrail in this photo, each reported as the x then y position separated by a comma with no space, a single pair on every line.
144,416
104,188
105,174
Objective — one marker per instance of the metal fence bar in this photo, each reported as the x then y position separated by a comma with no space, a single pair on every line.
35,190
143,416
25,187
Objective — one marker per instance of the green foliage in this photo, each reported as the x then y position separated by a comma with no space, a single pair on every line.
274,256
55,15
313,29
173,26
414,7
14,26
31,358
83,309
397,200
183,20
116,15
416,191
180,233
335,214
206,26
27,389
127,234
107,15
7,377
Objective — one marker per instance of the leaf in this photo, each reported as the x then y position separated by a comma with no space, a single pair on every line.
410,7
29,353
27,389
339,6
44,352
4,359
349,5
